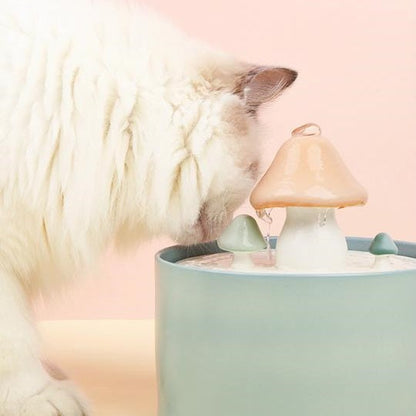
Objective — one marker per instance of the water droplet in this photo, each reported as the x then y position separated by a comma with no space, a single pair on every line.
265,215
268,238
322,218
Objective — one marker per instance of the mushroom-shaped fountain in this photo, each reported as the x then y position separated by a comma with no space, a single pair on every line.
309,179
242,237
313,336
383,247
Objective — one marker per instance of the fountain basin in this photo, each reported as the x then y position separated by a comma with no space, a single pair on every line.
231,343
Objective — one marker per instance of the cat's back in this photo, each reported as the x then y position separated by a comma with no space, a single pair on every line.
108,29
63,61
95,27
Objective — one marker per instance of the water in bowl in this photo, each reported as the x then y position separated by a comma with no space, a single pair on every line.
264,262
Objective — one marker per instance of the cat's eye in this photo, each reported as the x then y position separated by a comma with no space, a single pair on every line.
251,112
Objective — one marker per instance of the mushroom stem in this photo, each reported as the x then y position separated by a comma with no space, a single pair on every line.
382,262
242,260
311,240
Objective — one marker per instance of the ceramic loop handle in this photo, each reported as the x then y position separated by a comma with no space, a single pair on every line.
308,129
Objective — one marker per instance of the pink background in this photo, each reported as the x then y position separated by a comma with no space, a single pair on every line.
357,63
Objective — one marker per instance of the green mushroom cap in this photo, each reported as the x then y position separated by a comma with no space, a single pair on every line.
383,244
242,235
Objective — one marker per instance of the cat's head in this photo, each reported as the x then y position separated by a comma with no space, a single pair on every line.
217,156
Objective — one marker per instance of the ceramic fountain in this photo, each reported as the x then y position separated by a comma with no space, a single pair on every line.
312,323
309,179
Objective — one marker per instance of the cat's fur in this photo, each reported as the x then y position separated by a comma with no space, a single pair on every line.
113,127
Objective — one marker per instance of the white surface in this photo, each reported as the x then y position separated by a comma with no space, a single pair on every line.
311,240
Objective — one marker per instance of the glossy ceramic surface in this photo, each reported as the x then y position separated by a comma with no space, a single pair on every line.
383,244
307,171
243,234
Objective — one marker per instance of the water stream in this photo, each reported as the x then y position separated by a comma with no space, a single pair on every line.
265,215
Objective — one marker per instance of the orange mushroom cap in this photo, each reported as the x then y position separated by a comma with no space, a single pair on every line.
307,171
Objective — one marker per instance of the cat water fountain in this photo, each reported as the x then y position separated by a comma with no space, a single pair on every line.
306,324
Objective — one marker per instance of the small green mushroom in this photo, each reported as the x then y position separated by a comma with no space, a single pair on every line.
383,246
242,237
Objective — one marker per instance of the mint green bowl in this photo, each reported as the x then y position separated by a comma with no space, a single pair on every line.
237,344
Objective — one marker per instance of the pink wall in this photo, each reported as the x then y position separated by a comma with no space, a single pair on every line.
357,64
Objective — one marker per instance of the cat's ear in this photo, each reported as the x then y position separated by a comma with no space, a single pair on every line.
262,84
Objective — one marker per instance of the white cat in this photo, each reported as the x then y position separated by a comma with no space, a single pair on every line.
113,127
